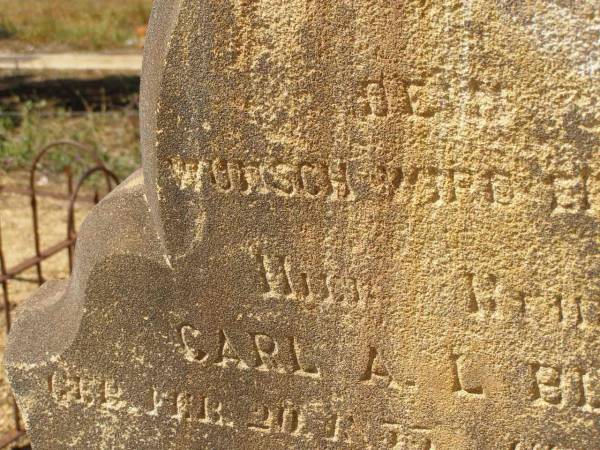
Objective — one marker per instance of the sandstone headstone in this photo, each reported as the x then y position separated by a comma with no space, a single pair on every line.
360,224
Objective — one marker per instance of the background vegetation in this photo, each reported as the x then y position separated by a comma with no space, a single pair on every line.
76,24
34,112
114,135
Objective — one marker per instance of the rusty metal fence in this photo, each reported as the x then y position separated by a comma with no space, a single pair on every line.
73,195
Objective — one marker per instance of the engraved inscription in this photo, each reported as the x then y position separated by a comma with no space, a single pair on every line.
286,419
312,180
483,294
419,186
372,99
399,437
68,389
377,373
283,279
488,297
244,351
528,445
186,407
566,387
551,387
307,421
570,194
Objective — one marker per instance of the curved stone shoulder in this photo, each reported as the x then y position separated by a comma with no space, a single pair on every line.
48,322
162,22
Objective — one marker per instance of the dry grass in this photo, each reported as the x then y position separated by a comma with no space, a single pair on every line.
93,108
78,24
114,135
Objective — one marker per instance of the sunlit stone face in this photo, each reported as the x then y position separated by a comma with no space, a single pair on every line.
363,224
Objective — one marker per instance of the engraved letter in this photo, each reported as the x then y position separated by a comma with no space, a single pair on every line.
547,384
339,181
591,383
267,352
461,385
188,336
300,365
569,194
162,403
212,412
220,175
275,276
482,295
376,373
65,388
340,428
501,189
111,395
227,356
283,179
315,179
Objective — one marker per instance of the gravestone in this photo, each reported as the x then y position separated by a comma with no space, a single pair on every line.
360,224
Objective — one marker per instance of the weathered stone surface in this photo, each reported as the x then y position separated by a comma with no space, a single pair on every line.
360,224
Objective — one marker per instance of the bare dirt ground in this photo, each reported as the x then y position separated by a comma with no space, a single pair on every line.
18,244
